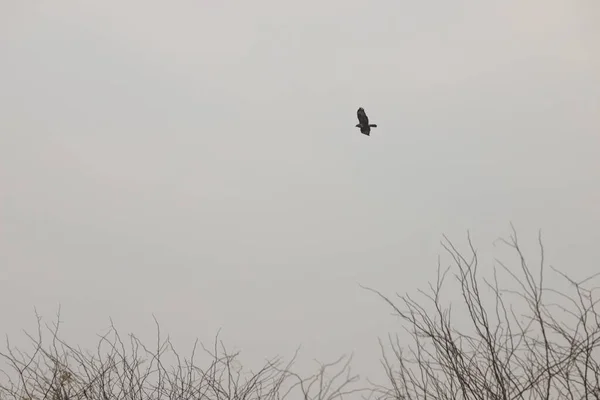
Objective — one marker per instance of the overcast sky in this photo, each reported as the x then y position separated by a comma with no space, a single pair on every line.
198,159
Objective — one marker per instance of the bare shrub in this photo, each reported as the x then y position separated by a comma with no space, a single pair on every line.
523,340
125,368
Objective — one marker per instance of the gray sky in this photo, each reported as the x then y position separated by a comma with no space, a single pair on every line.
198,159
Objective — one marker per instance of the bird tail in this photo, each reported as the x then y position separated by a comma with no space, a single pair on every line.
373,125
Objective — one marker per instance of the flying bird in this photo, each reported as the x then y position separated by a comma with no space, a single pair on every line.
365,127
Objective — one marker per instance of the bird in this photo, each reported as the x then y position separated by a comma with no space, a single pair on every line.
365,127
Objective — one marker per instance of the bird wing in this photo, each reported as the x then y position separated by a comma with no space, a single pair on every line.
362,117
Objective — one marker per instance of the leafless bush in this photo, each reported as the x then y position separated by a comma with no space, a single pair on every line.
524,340
133,371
